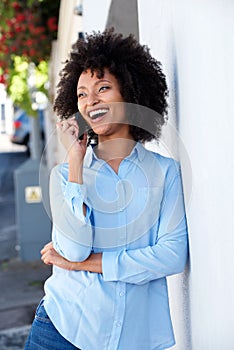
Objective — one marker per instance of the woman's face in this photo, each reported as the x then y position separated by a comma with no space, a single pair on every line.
101,104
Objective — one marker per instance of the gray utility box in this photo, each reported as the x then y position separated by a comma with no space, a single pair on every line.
33,220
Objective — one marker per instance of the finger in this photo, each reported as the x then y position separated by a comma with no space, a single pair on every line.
65,125
53,258
72,121
59,124
85,137
46,247
74,127
83,142
72,118
47,258
46,261
70,128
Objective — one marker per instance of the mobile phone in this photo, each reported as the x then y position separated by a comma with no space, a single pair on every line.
82,125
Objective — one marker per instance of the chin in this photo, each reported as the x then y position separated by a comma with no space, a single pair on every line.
102,131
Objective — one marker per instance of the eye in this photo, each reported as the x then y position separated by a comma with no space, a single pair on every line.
103,88
80,95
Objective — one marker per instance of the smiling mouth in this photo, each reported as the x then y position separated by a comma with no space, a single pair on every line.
98,113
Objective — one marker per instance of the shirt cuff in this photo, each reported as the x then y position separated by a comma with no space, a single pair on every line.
109,266
76,195
74,189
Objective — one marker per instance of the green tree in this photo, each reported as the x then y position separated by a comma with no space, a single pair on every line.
27,28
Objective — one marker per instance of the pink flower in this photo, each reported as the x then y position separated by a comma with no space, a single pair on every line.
29,42
16,6
20,17
52,24
2,79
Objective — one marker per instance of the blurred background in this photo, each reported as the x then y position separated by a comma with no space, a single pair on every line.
193,39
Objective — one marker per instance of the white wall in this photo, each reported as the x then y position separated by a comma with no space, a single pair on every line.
95,15
194,40
68,28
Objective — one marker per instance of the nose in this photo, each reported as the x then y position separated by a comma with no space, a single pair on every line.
92,99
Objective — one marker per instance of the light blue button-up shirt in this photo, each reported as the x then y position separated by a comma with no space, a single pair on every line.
137,219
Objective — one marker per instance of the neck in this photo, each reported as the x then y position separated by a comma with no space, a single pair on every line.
115,149
115,146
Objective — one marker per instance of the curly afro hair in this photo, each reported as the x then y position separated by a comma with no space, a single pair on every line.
139,75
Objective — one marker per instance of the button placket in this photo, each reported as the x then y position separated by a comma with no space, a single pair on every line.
119,316
122,214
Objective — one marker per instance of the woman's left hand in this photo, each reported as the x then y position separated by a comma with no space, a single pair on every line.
51,257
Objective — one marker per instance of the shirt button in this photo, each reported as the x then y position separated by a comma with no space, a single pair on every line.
118,324
121,294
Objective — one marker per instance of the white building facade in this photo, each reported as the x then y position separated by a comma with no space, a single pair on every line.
194,42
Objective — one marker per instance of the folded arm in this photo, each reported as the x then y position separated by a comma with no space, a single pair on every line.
138,266
51,257
72,230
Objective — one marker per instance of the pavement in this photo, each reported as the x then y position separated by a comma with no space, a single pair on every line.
21,282
21,290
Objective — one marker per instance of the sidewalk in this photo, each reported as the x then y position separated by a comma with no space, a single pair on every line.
21,282
21,290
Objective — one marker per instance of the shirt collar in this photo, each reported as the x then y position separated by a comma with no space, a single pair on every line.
138,150
89,156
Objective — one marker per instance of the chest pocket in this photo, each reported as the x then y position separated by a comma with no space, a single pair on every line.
136,211
145,211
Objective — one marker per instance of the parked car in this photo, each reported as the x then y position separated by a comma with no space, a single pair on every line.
22,128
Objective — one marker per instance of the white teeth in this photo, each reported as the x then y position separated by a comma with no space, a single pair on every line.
92,114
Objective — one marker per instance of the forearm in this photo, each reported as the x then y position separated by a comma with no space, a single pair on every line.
75,173
142,265
70,199
92,264
51,257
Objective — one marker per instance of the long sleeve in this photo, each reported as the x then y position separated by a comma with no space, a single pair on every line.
169,253
72,231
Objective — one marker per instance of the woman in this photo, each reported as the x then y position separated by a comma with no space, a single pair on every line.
119,225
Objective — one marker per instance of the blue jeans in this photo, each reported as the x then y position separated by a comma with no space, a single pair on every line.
43,334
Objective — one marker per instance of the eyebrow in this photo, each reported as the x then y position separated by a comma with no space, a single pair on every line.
96,83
